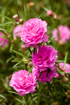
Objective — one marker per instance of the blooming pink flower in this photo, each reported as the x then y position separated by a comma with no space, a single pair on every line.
3,41
45,58
17,31
44,76
34,32
62,34
23,82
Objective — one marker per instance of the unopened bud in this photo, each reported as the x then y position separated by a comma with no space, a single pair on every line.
20,21
25,60
51,13
32,3
23,46
55,16
16,17
60,42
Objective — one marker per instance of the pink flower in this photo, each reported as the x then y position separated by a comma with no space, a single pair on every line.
66,69
17,31
44,76
45,58
36,72
23,82
34,32
62,34
3,41
56,75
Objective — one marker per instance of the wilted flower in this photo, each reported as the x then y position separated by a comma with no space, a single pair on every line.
3,41
34,32
62,34
23,82
45,58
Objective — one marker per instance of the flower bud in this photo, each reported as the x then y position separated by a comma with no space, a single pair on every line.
25,60
23,46
16,17
20,21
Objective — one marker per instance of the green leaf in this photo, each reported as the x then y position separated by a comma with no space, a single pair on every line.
5,17
17,64
7,23
45,8
3,97
13,92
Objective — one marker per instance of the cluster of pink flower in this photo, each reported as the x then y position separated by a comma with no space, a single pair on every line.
44,60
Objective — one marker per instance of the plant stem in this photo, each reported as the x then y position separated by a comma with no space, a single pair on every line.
26,100
39,94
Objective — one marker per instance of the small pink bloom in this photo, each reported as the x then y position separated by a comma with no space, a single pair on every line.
34,32
45,58
23,82
66,69
3,41
56,75
17,31
62,34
